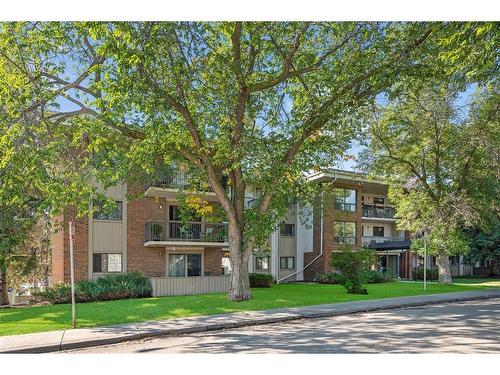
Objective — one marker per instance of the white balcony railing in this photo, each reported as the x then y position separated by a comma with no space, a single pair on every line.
367,240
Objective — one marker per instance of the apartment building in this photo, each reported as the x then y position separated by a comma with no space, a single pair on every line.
148,235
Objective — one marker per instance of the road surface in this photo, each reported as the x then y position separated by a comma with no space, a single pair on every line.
469,327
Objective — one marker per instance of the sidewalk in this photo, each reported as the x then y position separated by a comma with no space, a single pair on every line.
79,338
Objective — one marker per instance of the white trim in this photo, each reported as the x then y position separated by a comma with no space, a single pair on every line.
185,244
382,219
274,258
336,174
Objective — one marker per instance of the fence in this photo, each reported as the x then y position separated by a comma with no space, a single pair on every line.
183,286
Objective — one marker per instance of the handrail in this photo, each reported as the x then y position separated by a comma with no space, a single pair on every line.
174,230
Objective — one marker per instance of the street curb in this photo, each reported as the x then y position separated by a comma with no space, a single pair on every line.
130,332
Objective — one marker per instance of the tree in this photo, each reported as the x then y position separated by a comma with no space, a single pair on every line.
258,102
353,266
485,246
15,223
441,159
32,260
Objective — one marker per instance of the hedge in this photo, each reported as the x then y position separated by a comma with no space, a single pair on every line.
109,287
260,280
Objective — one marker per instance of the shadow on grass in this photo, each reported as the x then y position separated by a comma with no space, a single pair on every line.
46,318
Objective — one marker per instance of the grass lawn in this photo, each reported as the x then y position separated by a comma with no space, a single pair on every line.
49,318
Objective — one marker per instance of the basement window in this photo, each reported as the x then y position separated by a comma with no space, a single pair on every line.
262,263
287,263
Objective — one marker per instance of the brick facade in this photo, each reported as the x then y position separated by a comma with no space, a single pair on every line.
60,248
213,261
330,215
147,260
150,261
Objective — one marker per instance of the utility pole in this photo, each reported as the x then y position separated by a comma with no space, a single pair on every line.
72,275
425,262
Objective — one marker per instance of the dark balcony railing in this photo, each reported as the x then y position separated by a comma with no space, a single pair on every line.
185,231
180,180
344,206
382,212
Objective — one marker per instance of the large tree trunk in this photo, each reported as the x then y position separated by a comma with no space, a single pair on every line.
444,268
238,255
4,297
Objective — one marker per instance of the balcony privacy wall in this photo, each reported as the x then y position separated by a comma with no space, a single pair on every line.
180,286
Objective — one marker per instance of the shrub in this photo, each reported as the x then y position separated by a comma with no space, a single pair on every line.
353,265
57,293
374,277
432,274
260,280
109,287
329,278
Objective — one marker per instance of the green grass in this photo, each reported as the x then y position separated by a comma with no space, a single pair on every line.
482,282
49,318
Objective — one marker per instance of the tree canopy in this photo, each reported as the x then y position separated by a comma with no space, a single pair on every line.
259,102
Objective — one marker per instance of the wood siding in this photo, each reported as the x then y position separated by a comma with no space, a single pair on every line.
184,286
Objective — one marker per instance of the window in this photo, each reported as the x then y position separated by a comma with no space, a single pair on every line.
379,201
378,231
287,230
102,213
107,263
287,263
226,266
344,232
262,263
345,199
180,265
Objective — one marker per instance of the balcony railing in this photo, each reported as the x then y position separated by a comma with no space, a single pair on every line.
367,240
344,240
180,180
185,231
344,206
382,212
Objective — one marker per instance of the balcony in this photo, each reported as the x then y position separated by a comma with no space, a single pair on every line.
378,212
344,206
176,232
169,185
367,240
180,180
385,243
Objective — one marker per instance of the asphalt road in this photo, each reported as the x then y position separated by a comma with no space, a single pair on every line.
469,327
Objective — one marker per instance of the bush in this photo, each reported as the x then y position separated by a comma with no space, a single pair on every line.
260,280
432,274
329,278
109,287
353,265
57,293
375,277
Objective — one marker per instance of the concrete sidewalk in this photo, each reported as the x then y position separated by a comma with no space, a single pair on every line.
79,338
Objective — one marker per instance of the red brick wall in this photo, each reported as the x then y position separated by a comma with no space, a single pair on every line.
60,248
330,215
147,260
213,261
